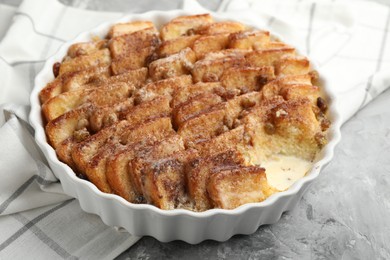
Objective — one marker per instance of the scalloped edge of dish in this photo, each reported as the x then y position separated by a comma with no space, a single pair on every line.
177,224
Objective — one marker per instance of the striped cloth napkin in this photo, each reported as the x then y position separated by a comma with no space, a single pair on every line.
349,42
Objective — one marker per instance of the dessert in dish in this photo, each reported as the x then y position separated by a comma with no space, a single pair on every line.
196,114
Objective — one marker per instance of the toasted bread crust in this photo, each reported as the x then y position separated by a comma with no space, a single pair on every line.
183,25
98,58
237,185
86,48
172,66
107,95
159,150
199,171
193,107
249,40
120,29
182,117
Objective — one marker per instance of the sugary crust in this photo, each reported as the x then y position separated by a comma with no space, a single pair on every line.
181,117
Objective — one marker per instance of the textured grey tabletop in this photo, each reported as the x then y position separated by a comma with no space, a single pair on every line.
344,214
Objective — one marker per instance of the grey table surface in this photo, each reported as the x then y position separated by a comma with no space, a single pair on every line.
344,215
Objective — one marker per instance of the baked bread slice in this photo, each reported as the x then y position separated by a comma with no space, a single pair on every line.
166,87
132,60
175,45
232,187
136,140
212,66
249,40
91,155
220,28
268,57
193,107
292,66
246,79
86,48
67,130
203,126
210,43
182,95
163,180
120,29
184,25
123,44
199,171
161,149
72,81
102,96
172,66
98,58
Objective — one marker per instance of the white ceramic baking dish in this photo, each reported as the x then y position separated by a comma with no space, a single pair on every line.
178,224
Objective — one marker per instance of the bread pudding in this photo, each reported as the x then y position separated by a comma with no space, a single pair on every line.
196,114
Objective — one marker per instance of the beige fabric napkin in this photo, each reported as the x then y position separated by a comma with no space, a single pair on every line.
348,40
38,221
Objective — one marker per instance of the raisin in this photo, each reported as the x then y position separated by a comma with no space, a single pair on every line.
236,123
243,114
321,103
155,42
261,81
247,103
110,119
82,176
325,124
314,76
82,123
244,90
81,52
56,69
320,139
81,135
222,130
149,59
191,32
231,93
269,128
248,139
210,77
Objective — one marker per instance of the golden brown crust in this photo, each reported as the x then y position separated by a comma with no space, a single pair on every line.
182,95
268,57
102,96
162,149
247,79
184,25
173,46
203,126
193,107
163,181
98,58
86,48
131,60
166,87
135,41
74,80
175,65
249,40
221,28
120,29
210,43
237,185
183,116
211,68
199,170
